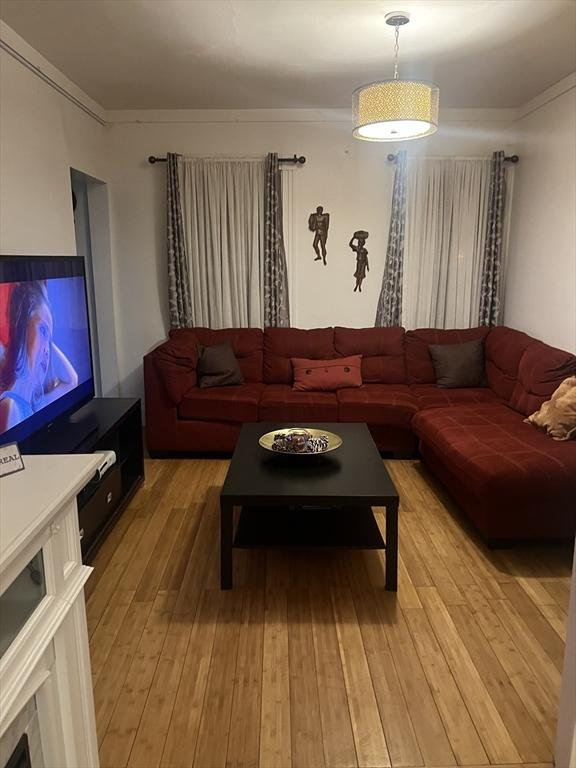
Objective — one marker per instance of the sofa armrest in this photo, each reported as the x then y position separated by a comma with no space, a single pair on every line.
174,364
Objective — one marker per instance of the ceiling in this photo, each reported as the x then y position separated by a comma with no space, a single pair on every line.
206,54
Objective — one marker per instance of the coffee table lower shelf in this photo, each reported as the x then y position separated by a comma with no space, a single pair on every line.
307,527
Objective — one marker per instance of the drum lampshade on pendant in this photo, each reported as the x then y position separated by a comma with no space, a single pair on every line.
395,110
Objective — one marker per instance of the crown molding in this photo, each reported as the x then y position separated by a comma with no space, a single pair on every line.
152,116
172,116
556,90
16,47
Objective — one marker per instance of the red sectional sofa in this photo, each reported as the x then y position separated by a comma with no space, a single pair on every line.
511,479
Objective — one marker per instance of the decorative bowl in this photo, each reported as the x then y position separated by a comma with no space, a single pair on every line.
299,441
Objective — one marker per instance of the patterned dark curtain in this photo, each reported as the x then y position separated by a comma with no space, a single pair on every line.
276,305
180,304
492,266
389,311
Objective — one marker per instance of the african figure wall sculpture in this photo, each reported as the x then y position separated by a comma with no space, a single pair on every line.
361,257
319,222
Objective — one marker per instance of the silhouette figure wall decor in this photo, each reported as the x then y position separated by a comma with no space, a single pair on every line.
361,257
319,222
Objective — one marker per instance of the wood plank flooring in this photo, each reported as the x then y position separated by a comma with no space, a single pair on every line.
309,662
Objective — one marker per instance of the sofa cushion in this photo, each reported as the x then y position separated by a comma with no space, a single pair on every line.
382,351
279,402
234,403
281,344
431,396
247,343
419,368
503,350
326,375
176,361
499,458
384,404
541,371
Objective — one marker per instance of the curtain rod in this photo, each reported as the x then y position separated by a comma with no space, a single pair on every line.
508,158
295,160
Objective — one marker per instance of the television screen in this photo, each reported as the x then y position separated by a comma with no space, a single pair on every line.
45,355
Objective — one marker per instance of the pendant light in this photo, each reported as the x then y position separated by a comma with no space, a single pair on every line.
395,110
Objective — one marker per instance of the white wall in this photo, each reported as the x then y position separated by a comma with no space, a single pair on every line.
42,136
541,281
350,178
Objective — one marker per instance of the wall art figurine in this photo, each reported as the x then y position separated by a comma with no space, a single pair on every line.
361,257
318,222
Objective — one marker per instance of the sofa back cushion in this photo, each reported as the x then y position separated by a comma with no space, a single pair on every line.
419,367
382,351
281,344
541,371
247,343
503,350
176,361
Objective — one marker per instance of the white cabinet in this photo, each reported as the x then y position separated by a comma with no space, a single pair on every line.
43,637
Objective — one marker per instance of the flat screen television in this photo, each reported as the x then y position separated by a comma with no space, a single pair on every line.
45,354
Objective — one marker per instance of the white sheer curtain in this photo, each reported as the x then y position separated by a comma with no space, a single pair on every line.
223,218
446,211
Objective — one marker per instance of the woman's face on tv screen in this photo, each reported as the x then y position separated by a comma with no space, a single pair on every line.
39,337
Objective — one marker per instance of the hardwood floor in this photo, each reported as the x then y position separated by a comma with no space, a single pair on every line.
308,662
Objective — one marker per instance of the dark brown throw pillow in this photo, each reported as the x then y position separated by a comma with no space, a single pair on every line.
458,365
218,366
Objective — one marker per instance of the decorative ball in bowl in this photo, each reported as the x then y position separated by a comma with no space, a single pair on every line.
299,441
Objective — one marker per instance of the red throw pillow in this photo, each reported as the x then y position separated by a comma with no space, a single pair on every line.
327,375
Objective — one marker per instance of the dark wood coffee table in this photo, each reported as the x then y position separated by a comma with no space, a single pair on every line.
308,502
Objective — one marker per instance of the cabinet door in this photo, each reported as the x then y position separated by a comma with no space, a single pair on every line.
95,514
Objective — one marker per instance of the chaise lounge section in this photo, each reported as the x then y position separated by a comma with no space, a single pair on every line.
511,479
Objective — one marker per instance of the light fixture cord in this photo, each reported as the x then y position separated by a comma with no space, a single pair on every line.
396,47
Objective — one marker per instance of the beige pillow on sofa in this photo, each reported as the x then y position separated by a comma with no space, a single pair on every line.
558,415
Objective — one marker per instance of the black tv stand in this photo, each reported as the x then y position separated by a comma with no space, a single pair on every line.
63,435
102,424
